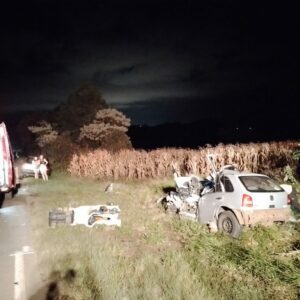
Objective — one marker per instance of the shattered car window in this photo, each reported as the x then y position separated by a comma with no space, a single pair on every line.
218,186
260,184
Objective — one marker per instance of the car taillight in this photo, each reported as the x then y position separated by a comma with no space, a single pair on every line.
289,200
247,201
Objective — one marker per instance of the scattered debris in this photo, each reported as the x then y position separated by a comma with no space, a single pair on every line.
86,215
291,253
189,190
160,199
109,188
293,194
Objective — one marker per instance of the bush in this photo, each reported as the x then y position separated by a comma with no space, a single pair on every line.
61,152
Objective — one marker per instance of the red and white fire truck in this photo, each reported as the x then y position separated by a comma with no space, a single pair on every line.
8,178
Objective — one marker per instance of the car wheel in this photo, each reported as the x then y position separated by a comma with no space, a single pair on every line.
228,223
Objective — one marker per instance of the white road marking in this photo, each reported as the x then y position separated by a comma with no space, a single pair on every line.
20,289
19,283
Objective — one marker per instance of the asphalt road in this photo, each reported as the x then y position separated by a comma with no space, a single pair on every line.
19,276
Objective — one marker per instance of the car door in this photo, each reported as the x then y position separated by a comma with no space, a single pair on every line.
209,202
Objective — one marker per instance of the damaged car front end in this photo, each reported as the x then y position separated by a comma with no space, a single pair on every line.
229,199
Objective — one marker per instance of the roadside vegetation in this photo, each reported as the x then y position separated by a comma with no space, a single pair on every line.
154,255
263,264
269,158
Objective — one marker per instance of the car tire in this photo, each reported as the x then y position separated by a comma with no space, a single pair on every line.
229,224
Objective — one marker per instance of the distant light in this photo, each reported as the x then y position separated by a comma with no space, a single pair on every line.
250,128
236,128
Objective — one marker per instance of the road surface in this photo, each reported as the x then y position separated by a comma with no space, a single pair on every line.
19,276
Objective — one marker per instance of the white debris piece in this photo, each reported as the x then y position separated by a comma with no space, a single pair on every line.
287,187
109,188
97,214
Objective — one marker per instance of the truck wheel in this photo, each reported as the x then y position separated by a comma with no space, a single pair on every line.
2,198
228,223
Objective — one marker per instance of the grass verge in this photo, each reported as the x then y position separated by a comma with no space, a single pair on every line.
154,255
260,265
140,260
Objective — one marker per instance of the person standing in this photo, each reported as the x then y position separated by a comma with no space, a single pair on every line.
43,167
36,167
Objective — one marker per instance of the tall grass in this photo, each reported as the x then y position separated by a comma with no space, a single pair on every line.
160,163
254,267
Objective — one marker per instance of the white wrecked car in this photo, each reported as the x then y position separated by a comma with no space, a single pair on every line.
230,199
88,215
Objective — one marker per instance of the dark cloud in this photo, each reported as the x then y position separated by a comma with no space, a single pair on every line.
170,109
153,59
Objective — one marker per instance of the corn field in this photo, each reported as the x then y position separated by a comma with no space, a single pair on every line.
139,164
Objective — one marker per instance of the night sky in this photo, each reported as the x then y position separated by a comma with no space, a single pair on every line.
157,61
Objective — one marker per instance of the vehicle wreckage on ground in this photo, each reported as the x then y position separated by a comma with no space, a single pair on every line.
229,199
88,215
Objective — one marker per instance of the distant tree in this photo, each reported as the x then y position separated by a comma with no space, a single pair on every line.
115,141
61,151
44,133
27,138
84,121
79,109
107,130
59,148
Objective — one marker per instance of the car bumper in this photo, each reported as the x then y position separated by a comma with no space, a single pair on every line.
30,173
264,216
27,173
